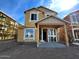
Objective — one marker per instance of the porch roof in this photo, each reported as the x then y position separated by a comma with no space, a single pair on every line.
51,20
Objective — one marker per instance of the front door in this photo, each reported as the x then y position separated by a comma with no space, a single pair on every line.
45,35
52,36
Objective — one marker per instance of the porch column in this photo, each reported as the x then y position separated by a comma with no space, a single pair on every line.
57,34
41,35
37,35
66,35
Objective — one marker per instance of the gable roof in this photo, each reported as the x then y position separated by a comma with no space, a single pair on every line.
32,9
52,20
39,10
75,11
47,9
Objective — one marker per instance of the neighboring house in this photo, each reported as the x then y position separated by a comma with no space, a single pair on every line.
73,28
42,25
8,27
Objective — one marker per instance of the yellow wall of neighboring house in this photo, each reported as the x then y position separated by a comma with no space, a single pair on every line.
9,25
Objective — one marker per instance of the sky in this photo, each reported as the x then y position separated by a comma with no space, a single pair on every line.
16,8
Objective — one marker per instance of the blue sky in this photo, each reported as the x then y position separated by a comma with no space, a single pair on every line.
16,8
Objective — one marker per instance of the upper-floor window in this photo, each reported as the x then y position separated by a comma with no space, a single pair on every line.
75,18
34,16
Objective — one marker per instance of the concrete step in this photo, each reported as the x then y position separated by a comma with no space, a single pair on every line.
75,43
51,45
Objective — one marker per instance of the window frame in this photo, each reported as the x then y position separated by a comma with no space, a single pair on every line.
77,17
76,21
33,34
34,13
74,33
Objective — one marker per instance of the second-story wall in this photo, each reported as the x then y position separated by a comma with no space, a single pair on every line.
28,22
47,11
42,12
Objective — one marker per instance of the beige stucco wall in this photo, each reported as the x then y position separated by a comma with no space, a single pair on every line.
47,12
29,23
20,36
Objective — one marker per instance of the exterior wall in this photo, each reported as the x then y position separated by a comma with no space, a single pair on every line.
47,12
10,25
62,34
29,23
67,18
71,26
20,36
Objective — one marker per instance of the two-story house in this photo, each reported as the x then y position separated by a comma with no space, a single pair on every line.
42,25
73,28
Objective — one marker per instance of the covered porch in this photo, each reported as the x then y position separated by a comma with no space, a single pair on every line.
48,31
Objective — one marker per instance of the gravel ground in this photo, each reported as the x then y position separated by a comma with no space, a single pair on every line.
29,52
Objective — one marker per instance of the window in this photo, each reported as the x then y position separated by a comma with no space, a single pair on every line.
75,18
33,16
29,33
76,34
74,21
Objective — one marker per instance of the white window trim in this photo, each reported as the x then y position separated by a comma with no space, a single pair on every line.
34,13
33,34
53,33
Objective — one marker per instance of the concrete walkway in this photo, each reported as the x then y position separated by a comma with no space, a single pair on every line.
51,45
